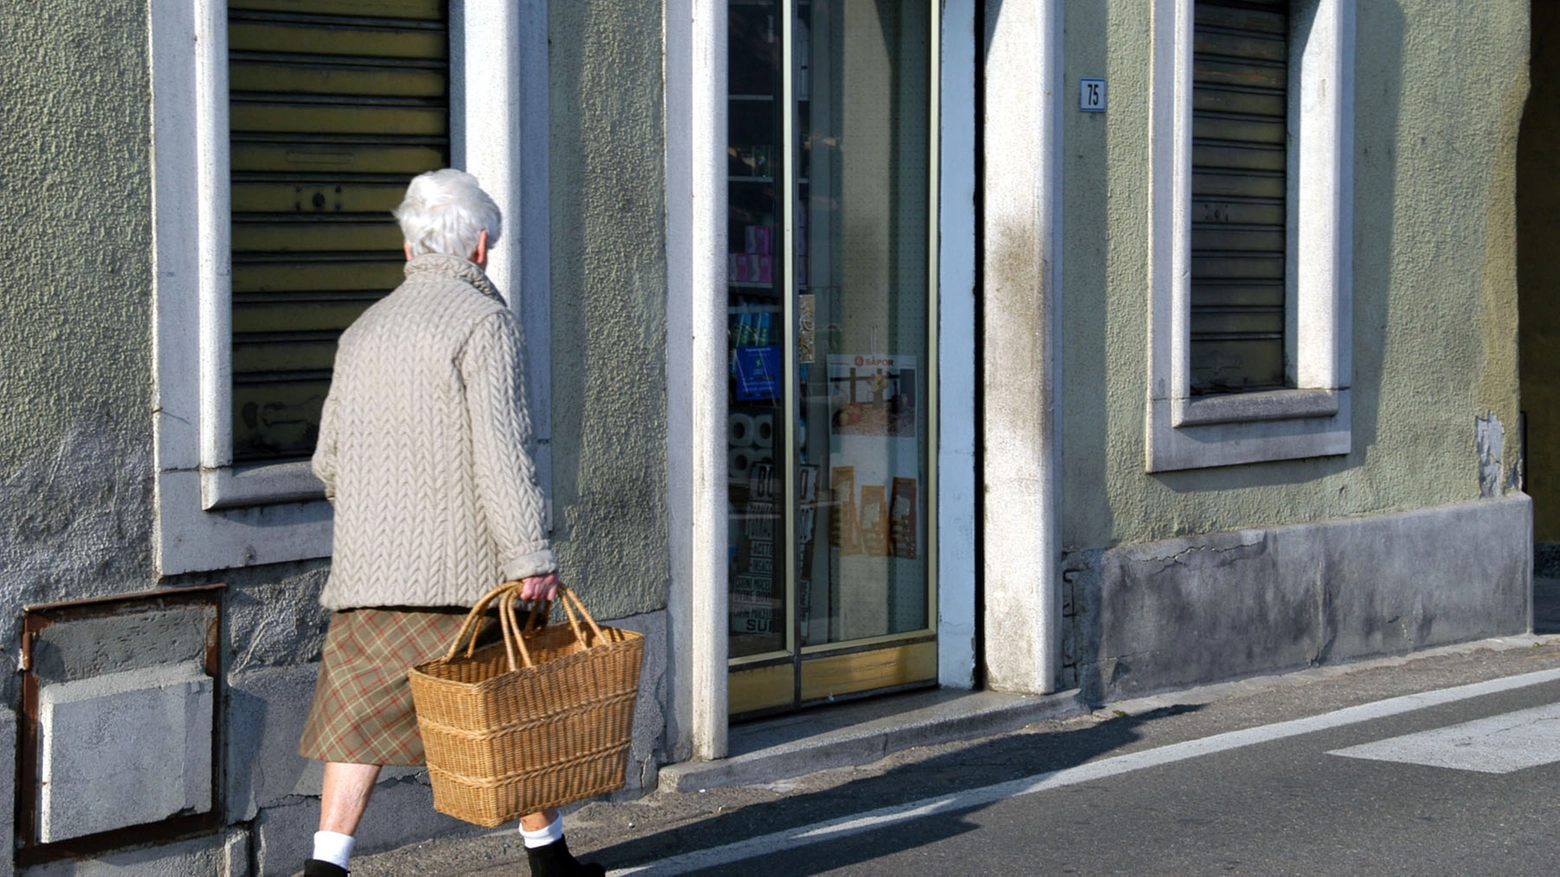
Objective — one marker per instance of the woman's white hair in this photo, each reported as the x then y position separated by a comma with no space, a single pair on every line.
445,212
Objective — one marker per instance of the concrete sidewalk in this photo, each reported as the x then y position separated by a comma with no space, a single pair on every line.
861,733
769,753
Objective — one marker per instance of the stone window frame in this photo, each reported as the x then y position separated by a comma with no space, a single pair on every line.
211,514
1312,417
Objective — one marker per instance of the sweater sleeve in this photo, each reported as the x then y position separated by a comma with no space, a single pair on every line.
324,462
493,369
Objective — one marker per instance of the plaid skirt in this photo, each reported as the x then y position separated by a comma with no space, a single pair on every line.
362,711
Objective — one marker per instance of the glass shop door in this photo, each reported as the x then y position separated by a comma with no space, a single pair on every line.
831,433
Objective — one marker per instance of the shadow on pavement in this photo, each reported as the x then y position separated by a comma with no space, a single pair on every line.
1003,759
843,852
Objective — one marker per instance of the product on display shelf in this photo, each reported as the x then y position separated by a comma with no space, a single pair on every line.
761,552
760,522
740,430
739,464
762,486
758,373
758,239
752,598
752,606
804,596
807,484
842,480
902,518
752,329
807,505
874,520
764,430
748,161
751,268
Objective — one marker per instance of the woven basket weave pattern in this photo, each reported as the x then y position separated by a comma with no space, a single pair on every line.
501,744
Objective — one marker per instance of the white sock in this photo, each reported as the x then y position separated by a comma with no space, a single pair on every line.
543,836
333,847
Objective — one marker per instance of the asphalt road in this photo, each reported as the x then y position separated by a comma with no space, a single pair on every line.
1285,805
1244,778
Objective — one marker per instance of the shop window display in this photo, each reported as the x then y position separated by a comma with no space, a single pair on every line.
831,346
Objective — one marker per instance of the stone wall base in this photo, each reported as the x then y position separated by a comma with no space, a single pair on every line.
224,854
1200,609
270,795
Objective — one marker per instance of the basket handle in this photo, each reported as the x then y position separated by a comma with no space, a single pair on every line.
507,595
570,602
570,597
536,619
471,626
514,637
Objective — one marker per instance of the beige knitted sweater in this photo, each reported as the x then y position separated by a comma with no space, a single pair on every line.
424,447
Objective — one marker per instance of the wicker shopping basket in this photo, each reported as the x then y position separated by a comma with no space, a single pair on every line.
507,737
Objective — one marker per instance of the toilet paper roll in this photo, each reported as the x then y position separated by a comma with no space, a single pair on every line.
764,431
739,463
739,431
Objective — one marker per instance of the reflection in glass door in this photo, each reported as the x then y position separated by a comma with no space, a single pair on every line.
832,409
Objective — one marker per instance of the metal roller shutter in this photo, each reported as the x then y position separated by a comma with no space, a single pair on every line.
334,106
1239,155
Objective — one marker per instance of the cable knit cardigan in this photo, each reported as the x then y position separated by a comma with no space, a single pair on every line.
424,447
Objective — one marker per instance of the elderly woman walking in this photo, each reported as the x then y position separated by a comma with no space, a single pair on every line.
424,450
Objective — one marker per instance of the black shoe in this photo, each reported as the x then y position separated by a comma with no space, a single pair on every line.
554,860
317,868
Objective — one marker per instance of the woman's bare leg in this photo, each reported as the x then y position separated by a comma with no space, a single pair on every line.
345,795
538,821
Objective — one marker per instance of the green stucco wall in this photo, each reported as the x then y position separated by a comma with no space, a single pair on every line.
76,460
609,302
75,303
1439,90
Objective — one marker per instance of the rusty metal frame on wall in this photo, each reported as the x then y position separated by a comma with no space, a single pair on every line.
35,619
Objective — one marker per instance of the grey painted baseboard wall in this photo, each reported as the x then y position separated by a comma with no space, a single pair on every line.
1199,609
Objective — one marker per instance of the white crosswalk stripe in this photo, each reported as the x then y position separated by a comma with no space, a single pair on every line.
1498,744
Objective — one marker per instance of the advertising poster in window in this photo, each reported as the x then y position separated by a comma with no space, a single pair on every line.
873,411
875,465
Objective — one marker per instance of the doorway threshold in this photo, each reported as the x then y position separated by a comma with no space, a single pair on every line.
861,732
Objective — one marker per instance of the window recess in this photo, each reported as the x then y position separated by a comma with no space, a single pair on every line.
286,131
1251,239
1239,176
333,107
